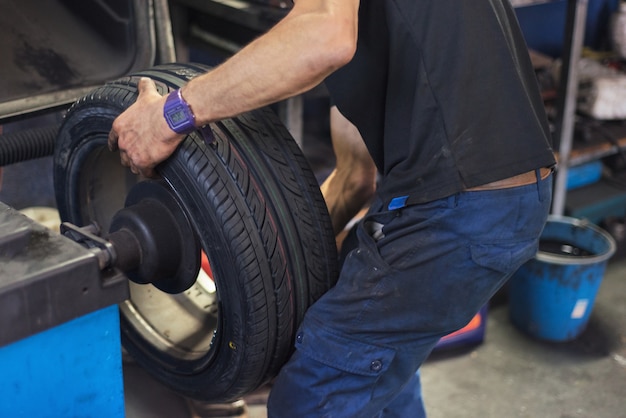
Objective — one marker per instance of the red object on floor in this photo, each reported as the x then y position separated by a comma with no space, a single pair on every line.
471,334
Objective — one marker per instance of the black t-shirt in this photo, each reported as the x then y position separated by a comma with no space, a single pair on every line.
444,95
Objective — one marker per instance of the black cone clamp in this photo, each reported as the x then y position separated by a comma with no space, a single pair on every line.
154,240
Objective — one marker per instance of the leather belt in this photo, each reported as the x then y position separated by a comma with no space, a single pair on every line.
515,181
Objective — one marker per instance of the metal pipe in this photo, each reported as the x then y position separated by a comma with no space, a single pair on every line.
575,33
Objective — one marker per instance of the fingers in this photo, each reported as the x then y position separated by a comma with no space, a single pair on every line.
112,141
146,85
148,171
131,128
124,159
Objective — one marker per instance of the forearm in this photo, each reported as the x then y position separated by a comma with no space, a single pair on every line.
314,39
293,57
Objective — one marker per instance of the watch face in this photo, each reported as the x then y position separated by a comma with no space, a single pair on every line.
178,116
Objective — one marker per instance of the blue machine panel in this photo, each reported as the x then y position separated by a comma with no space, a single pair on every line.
71,370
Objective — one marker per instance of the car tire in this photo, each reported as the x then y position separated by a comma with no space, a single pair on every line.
260,219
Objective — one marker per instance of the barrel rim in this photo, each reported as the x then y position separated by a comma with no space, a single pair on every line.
579,259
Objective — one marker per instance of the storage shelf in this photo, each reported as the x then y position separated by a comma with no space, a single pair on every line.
587,153
597,202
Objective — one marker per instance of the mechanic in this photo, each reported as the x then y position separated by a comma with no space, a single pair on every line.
446,99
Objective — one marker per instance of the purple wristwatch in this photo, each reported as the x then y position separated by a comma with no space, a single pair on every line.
181,119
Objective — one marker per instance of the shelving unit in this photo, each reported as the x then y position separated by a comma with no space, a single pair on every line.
594,152
570,154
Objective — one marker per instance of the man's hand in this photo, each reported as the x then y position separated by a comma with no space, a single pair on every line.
141,133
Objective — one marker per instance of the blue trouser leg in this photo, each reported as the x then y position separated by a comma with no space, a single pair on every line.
432,268
408,403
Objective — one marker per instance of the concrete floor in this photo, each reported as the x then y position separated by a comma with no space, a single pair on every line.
509,375
514,375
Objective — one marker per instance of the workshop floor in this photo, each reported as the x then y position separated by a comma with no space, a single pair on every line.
509,375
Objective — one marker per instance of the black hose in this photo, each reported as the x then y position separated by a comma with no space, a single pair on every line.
27,144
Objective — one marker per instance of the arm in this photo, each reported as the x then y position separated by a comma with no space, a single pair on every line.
352,183
313,40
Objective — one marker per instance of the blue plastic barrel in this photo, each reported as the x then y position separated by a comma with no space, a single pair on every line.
551,296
